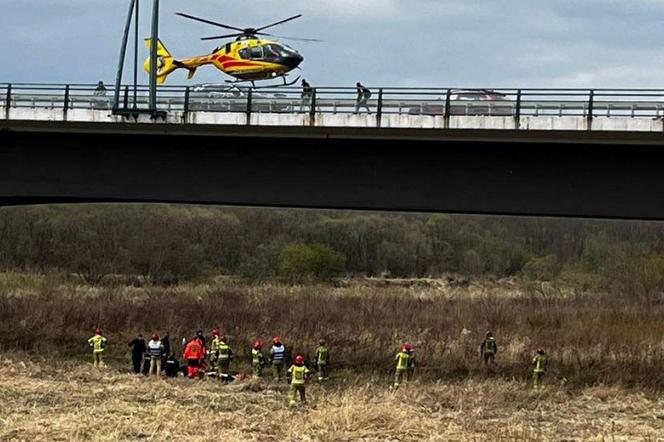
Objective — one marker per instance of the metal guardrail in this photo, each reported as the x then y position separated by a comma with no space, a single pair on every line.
516,103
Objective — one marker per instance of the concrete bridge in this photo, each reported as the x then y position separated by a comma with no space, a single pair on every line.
493,158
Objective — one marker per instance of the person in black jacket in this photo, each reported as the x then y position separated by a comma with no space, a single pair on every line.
138,349
166,342
172,366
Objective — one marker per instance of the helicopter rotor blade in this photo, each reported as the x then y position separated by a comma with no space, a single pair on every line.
283,37
219,37
279,22
313,40
209,22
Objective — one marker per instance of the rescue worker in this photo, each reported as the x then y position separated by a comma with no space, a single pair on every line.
194,353
489,349
277,358
166,342
257,359
172,366
307,95
224,357
146,363
540,362
322,361
298,375
402,364
363,95
201,337
410,373
156,350
98,343
138,349
214,347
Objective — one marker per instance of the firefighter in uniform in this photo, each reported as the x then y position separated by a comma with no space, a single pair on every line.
489,349
98,343
257,359
298,375
323,361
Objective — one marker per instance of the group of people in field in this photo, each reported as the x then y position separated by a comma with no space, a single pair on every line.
214,360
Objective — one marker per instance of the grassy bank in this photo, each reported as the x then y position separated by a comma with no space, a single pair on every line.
591,339
45,399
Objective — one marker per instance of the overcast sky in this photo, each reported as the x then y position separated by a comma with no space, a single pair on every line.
441,43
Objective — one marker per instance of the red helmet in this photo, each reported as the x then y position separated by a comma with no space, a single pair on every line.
215,332
299,359
406,346
276,340
258,344
99,331
155,336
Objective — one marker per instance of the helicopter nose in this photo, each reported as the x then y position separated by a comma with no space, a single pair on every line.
293,60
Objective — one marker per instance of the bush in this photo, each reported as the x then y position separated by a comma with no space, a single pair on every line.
543,268
299,262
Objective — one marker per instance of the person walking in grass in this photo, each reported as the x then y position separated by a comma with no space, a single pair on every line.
156,350
410,373
257,359
298,375
138,349
402,359
323,361
488,350
98,343
277,358
540,364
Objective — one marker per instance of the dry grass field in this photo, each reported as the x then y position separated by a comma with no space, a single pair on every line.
47,399
605,381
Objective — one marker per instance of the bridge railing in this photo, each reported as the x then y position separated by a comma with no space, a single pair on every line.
515,103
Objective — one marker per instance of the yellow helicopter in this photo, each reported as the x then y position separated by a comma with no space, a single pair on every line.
248,58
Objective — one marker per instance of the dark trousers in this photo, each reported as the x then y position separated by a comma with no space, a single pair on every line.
136,362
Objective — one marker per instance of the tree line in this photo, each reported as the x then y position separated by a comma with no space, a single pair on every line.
170,244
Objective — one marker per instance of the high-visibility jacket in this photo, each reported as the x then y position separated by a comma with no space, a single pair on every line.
194,350
540,363
322,355
278,354
257,358
402,360
155,348
224,351
298,374
98,343
489,346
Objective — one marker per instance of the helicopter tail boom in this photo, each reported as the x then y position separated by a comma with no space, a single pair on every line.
165,62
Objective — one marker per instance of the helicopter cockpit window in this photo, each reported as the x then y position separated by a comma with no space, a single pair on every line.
256,52
271,50
245,53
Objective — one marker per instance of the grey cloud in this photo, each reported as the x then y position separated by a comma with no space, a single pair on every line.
382,42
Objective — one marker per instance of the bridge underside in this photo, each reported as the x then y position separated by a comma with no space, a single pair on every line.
599,175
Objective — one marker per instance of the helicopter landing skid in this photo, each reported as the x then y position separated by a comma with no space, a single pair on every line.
271,86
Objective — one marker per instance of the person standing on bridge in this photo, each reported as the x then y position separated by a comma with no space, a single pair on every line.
363,95
100,90
307,95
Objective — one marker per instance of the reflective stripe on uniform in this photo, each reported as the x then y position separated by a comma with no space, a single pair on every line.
278,353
